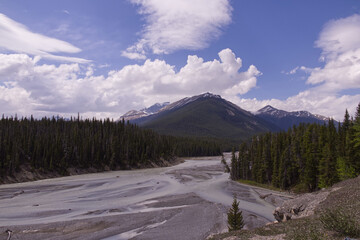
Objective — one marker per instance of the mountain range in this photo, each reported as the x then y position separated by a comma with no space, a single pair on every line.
285,120
209,115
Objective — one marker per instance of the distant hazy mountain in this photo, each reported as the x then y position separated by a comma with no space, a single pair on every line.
205,115
135,114
284,119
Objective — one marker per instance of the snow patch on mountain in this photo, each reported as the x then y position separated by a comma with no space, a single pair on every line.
135,114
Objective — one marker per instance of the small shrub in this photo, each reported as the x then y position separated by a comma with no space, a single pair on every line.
340,221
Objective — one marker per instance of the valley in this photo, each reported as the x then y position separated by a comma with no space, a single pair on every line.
179,120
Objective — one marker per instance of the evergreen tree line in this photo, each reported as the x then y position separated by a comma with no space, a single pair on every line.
305,158
52,144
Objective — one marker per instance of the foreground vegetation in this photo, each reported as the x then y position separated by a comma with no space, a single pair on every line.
52,144
234,217
305,158
336,218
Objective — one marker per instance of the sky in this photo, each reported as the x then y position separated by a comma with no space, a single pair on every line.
104,58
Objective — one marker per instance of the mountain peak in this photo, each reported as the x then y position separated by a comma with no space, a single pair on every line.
158,107
267,108
270,110
188,100
206,115
208,95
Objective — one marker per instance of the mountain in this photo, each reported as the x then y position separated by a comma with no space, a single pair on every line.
134,114
284,119
205,115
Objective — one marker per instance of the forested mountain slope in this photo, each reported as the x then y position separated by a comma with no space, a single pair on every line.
206,115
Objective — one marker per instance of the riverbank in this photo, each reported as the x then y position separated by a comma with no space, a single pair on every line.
27,174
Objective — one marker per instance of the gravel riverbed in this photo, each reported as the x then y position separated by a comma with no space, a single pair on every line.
186,201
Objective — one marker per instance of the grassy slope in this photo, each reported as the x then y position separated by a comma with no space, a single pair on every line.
345,195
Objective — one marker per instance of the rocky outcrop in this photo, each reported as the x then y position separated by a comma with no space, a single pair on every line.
301,206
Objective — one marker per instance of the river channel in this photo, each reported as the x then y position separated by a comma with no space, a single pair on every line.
186,201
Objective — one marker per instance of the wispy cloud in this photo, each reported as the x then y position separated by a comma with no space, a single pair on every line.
175,25
17,38
297,69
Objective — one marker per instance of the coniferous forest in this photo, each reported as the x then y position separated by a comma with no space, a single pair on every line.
52,144
305,158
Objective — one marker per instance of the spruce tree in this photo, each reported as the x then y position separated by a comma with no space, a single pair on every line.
327,165
235,219
233,170
243,161
345,168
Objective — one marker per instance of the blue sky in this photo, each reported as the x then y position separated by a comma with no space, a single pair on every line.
103,58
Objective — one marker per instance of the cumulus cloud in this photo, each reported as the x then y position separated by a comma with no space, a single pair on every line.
340,44
174,25
339,36
17,38
31,88
339,41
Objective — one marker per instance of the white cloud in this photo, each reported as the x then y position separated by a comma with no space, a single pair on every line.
340,44
71,88
17,38
175,25
157,81
339,36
